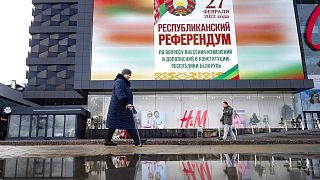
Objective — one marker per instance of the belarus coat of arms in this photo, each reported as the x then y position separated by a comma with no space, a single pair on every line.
180,7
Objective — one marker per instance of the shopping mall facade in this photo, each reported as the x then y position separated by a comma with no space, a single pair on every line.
62,80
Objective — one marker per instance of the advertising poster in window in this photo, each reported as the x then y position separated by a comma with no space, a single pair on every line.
239,120
310,100
153,120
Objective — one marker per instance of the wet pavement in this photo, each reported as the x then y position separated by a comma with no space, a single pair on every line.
96,150
201,158
230,166
290,137
161,162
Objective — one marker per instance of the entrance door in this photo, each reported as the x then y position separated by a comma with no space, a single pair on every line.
3,126
312,120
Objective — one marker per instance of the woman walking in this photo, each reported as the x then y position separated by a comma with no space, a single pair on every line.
120,114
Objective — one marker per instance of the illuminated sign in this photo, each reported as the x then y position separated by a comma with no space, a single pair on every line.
7,110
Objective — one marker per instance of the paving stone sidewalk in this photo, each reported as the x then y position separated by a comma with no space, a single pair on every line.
293,137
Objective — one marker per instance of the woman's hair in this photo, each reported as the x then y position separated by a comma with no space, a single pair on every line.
311,97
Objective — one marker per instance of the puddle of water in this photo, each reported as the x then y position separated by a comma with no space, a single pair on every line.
165,167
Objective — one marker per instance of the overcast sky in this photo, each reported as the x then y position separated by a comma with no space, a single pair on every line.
15,19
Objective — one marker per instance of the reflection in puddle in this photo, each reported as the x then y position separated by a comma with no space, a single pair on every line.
162,167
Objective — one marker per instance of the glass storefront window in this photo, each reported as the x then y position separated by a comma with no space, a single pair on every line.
144,105
42,126
269,110
59,126
291,109
195,105
98,106
38,167
270,106
70,126
67,167
245,107
50,126
56,167
95,105
47,167
30,171
34,126
25,126
22,165
14,126
215,108
170,107
259,107
10,168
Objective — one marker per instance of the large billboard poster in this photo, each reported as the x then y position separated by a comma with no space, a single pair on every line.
193,39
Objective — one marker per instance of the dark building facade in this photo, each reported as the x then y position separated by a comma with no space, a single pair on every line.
22,119
59,33
10,99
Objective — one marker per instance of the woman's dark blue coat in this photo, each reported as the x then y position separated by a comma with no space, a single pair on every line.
120,117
